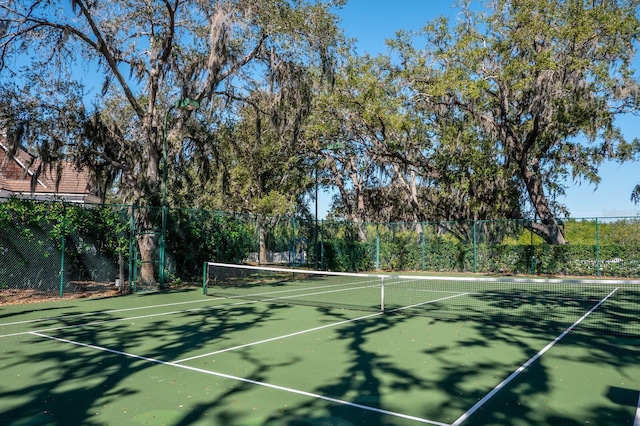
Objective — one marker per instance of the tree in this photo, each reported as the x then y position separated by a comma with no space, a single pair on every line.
635,194
344,133
542,79
150,54
262,166
393,162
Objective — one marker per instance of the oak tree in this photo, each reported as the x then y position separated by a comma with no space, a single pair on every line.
543,80
148,55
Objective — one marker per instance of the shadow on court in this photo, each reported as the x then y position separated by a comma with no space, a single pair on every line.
426,368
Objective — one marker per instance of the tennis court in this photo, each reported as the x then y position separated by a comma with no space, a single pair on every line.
314,350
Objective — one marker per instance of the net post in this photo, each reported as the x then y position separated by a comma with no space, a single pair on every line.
205,275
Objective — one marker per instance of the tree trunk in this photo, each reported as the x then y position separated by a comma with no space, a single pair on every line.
122,288
358,215
147,247
262,251
549,228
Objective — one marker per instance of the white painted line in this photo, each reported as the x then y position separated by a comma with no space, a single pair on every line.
636,422
309,330
513,375
91,323
245,380
106,312
315,293
350,286
107,321
426,303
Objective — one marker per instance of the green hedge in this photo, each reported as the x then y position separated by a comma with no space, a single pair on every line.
38,238
439,255
198,236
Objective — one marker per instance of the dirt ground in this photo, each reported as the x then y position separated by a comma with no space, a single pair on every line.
78,291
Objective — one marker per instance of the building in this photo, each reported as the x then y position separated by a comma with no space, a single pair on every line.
19,177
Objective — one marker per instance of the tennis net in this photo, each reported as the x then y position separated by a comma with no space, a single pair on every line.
598,306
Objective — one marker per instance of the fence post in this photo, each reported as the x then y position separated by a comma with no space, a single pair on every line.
377,246
322,245
597,250
219,222
475,248
132,250
422,245
259,235
64,231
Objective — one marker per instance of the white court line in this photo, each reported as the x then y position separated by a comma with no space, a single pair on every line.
352,286
428,302
515,295
112,311
278,337
170,304
315,293
531,360
306,331
107,321
84,314
459,421
244,302
245,380
636,422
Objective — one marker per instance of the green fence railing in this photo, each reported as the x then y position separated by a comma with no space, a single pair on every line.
56,249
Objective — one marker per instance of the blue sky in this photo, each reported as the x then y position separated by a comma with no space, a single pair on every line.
372,22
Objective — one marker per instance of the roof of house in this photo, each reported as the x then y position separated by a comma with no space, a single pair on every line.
18,170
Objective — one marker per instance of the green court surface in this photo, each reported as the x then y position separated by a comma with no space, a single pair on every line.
182,358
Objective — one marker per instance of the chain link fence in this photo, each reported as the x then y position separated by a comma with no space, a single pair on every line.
596,247
56,249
